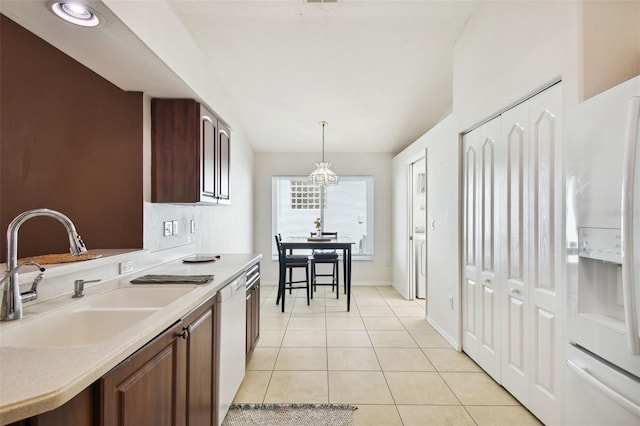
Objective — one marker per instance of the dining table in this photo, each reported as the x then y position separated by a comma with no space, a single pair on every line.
345,244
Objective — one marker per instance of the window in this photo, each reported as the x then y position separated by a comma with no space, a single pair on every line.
348,210
304,196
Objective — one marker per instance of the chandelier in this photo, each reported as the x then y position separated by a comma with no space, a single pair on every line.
323,175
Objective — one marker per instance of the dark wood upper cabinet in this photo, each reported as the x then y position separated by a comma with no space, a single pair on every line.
190,153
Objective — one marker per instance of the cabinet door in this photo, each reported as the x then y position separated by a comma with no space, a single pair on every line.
253,316
223,163
175,151
201,366
208,169
149,387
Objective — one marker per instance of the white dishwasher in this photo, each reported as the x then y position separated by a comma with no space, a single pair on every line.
232,304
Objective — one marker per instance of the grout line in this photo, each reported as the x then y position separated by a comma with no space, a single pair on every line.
326,341
395,403
273,368
356,313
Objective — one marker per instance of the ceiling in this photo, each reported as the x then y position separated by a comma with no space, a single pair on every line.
380,72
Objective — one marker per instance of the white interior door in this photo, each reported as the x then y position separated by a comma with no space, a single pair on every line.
481,335
516,338
471,333
547,283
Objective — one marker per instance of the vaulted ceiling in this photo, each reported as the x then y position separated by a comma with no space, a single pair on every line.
380,72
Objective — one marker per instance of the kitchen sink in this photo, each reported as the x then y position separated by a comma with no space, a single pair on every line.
139,297
93,321
82,327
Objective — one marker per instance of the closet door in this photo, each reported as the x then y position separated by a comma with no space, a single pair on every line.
532,247
471,333
513,245
481,337
516,336
546,246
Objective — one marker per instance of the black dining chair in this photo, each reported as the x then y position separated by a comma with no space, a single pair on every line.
325,257
291,262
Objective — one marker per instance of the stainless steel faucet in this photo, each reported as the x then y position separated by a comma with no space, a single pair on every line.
11,298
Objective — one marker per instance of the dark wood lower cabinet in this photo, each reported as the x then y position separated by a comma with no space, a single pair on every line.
79,411
170,381
201,368
253,314
149,387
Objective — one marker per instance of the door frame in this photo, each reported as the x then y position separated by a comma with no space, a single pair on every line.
411,282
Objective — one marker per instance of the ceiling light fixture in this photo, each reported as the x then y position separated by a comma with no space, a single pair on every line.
322,175
76,13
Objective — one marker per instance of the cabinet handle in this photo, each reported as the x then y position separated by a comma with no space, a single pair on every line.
487,281
252,279
515,290
619,399
186,331
248,296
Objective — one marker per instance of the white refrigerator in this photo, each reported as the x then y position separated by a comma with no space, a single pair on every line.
603,258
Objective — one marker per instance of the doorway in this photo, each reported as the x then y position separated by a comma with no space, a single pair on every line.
417,241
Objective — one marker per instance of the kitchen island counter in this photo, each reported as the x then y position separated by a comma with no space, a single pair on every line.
34,380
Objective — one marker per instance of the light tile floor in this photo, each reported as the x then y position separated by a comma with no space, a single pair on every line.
382,357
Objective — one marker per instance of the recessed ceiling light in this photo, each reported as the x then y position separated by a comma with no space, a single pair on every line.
76,13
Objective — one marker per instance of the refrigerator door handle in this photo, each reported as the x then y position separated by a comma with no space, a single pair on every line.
628,278
621,400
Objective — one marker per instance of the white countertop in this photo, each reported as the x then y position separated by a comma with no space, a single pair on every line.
36,380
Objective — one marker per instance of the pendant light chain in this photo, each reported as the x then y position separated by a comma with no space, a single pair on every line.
324,123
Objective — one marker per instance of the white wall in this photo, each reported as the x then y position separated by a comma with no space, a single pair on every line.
378,165
442,155
400,215
443,205
507,50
